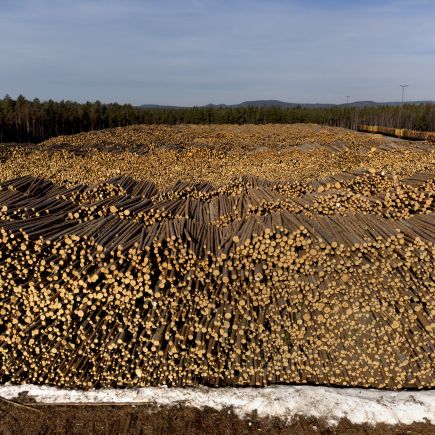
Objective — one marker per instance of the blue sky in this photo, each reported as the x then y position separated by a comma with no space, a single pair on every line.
200,51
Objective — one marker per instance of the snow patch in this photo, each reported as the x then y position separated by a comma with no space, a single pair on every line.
332,404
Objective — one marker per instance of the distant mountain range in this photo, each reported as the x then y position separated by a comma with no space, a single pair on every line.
277,103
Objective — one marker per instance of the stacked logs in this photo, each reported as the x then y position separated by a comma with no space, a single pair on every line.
399,132
251,283
143,139
213,154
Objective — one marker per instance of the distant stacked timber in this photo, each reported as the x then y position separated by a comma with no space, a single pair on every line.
399,132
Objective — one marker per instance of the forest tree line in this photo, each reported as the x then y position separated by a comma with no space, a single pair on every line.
23,120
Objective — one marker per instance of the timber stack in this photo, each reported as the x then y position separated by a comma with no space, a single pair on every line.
252,282
216,154
400,133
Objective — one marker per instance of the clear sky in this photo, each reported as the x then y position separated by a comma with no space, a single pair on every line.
193,52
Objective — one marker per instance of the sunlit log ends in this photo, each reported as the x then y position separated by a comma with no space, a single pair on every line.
253,282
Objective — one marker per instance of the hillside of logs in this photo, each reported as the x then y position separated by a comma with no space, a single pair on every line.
294,255
216,154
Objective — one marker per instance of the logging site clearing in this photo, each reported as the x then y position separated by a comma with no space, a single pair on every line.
221,256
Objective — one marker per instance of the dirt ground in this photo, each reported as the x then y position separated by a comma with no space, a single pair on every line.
30,419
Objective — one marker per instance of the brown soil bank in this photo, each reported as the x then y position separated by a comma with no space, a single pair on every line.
34,419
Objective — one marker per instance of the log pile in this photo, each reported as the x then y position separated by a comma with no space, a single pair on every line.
143,139
401,133
213,154
253,282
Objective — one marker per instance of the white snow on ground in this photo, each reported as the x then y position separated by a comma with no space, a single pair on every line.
332,404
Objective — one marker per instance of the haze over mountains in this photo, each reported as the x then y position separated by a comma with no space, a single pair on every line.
282,104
